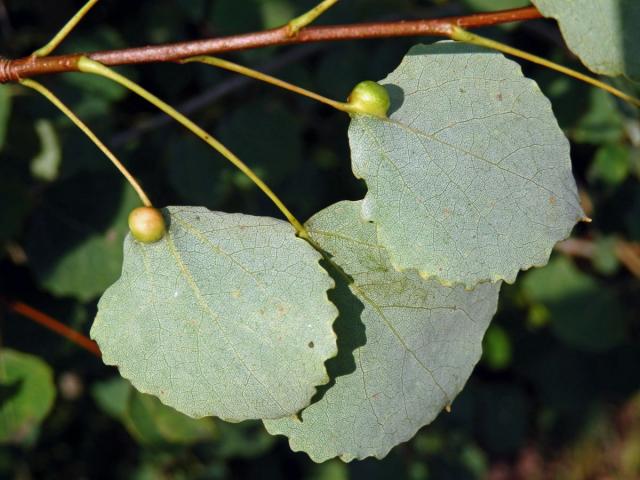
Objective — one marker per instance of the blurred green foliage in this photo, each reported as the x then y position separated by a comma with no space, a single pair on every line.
561,359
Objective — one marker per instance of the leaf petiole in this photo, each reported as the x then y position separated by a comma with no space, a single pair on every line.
64,31
463,35
307,18
263,77
90,66
49,95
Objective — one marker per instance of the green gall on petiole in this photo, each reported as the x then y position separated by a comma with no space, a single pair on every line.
147,224
369,97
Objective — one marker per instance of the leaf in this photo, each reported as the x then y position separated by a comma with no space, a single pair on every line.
230,16
156,422
74,243
602,123
406,347
146,419
584,313
45,165
276,13
27,392
494,5
605,259
497,349
241,440
5,112
610,165
470,178
603,33
217,317
112,396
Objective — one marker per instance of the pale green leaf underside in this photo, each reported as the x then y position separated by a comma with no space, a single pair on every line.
218,317
603,33
28,391
469,180
406,347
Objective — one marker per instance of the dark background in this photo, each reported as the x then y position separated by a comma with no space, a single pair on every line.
556,394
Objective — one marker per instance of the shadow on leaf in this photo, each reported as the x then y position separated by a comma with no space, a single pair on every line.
9,390
396,96
348,327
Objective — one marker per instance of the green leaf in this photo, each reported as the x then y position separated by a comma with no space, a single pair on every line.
605,260
231,16
5,112
584,313
602,123
217,318
27,392
334,470
151,422
406,347
74,244
276,13
470,178
603,33
611,164
146,419
112,396
496,346
45,165
494,5
242,440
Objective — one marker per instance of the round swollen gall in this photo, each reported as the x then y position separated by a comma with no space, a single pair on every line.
147,224
369,97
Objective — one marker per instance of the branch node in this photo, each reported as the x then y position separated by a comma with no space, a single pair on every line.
7,72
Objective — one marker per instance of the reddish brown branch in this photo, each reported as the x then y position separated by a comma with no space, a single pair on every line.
53,325
627,253
13,70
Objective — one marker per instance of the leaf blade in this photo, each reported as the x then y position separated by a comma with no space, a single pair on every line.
477,188
28,393
215,318
604,34
406,347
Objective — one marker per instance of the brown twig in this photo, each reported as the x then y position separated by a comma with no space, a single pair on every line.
14,70
577,247
629,256
52,324
627,253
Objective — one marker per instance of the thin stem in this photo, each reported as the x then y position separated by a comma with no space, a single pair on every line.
89,66
628,253
14,70
464,36
54,325
249,72
49,95
65,31
215,92
298,23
